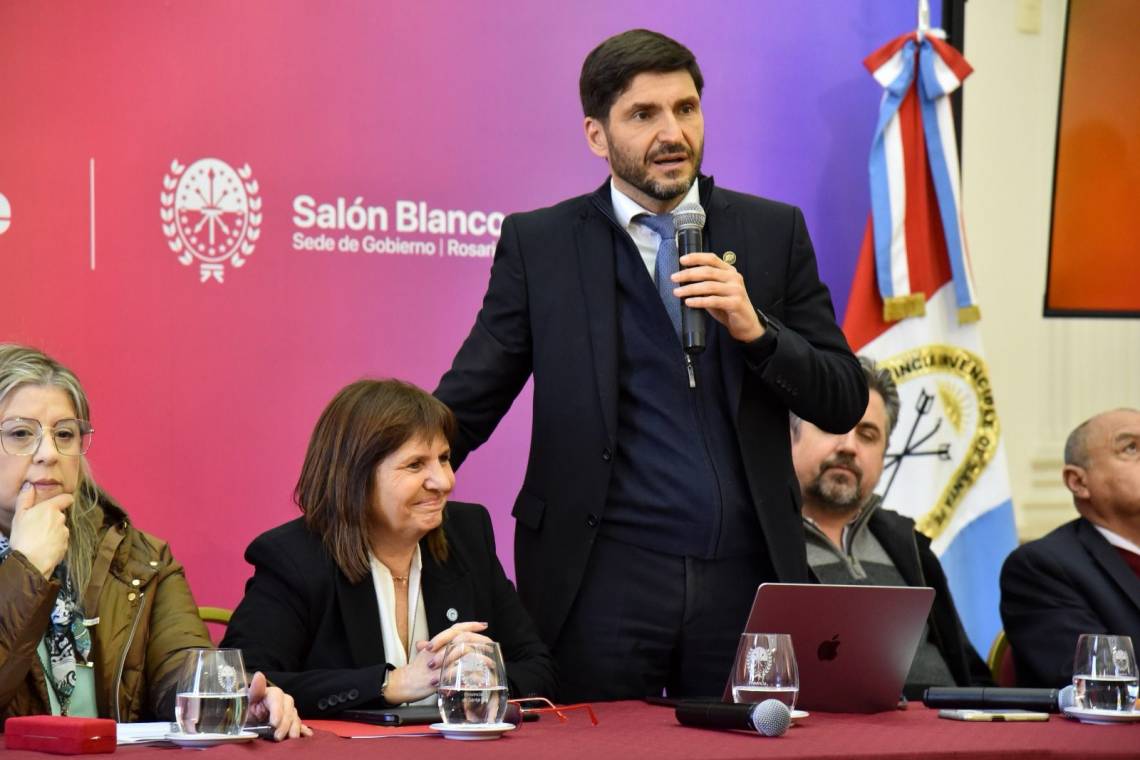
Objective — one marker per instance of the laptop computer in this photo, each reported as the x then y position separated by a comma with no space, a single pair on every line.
854,644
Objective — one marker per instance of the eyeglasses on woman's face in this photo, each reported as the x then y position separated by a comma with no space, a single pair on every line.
20,436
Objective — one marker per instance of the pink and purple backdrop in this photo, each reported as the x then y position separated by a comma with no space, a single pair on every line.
204,393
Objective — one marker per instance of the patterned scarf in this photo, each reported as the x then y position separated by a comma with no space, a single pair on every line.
66,637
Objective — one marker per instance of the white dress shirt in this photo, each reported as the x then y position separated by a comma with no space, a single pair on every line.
646,240
384,584
1118,541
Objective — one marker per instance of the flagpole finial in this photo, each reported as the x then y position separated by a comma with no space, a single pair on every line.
923,18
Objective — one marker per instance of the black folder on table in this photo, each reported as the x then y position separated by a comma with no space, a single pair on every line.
408,715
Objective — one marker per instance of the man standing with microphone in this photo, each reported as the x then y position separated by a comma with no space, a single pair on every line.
659,491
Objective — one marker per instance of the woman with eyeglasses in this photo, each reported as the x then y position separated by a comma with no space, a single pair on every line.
352,604
95,615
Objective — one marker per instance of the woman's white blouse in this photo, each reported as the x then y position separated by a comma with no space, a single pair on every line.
394,651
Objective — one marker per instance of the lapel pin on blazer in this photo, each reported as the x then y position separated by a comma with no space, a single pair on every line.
729,257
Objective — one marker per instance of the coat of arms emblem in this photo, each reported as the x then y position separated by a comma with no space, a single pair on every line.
211,213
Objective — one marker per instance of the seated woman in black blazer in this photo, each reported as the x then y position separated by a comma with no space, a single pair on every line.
352,604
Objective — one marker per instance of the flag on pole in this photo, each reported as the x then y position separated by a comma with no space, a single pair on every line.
912,307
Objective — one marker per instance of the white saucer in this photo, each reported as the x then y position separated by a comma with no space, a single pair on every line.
799,714
208,740
1089,715
474,732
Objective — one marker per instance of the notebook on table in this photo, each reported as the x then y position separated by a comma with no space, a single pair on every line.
406,715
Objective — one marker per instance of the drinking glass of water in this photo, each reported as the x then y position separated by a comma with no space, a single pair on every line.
1104,673
472,684
765,669
212,692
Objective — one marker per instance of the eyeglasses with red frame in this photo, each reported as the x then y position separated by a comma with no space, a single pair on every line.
549,707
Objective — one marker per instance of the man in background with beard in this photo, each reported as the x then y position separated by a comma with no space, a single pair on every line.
852,539
659,490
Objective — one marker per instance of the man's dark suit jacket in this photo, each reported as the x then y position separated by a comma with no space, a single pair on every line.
551,311
318,636
916,562
1070,582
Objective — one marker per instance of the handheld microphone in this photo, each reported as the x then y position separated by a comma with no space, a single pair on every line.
997,698
769,718
689,223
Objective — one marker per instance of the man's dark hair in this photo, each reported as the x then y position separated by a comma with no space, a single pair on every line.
879,379
612,65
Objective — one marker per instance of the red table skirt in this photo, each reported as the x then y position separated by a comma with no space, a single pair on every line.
637,730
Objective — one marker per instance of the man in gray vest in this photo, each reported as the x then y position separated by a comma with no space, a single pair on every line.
852,539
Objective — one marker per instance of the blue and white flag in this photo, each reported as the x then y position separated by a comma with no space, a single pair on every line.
912,307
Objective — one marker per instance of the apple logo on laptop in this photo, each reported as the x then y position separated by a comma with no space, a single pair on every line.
829,650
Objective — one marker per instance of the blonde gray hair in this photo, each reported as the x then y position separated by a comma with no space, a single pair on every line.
20,366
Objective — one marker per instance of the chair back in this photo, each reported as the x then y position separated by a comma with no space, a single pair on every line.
216,619
1000,661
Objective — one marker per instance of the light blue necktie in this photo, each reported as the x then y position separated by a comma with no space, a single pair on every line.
667,264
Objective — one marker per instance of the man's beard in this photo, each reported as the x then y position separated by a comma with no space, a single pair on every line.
636,172
837,497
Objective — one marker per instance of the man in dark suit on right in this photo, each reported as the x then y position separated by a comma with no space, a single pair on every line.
1084,577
